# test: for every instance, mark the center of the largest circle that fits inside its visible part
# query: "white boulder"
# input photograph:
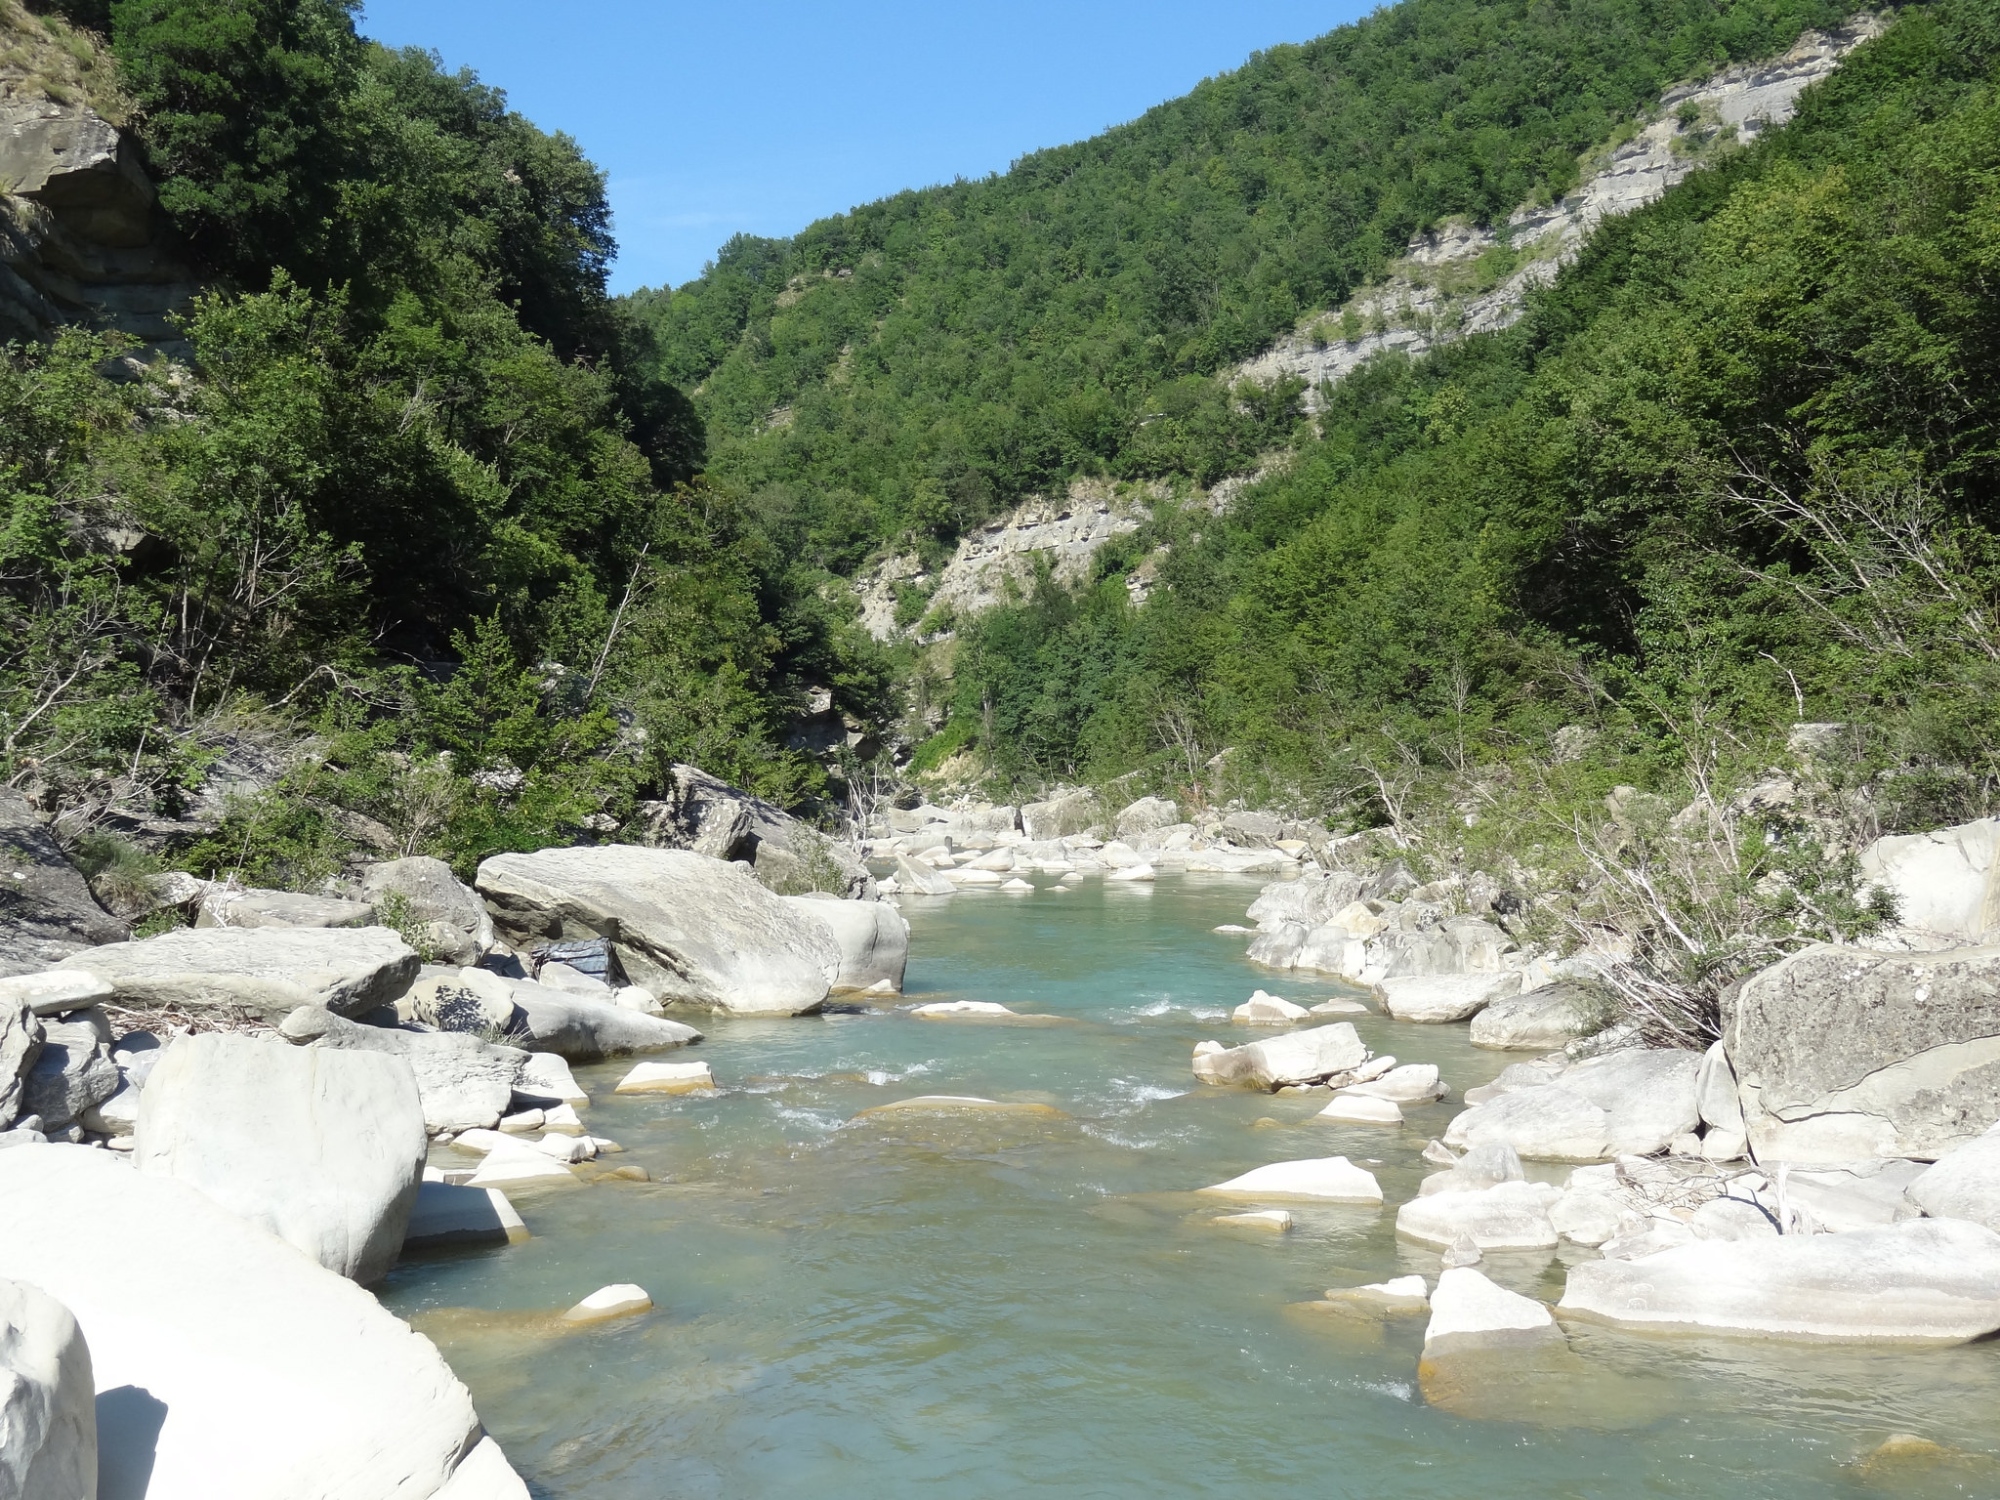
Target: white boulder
(667, 1078)
(1329, 1179)
(1963, 1184)
(1412, 1083)
(48, 1400)
(1506, 1216)
(873, 939)
(1349, 1108)
(619, 1301)
(322, 1148)
(231, 1335)
(1541, 1020)
(1268, 1010)
(691, 929)
(1297, 1058)
(1440, 998)
(1469, 1315)
(1924, 1281)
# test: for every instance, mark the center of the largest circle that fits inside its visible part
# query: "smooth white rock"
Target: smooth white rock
(1470, 1314)
(1360, 1109)
(279, 1380)
(873, 939)
(1412, 1083)
(667, 1078)
(1924, 1281)
(1507, 1216)
(1963, 1184)
(48, 1399)
(1141, 872)
(1332, 1179)
(619, 1301)
(1268, 1010)
(54, 991)
(322, 1148)
(1437, 999)
(942, 1009)
(1298, 1057)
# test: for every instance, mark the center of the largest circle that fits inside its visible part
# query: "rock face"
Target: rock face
(873, 938)
(322, 1148)
(1844, 1053)
(1943, 881)
(46, 911)
(1924, 1281)
(688, 928)
(48, 1400)
(1542, 1020)
(268, 971)
(455, 919)
(462, 1082)
(1964, 1184)
(1300, 1057)
(230, 1335)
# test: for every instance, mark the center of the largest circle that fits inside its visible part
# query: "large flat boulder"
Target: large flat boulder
(1846, 1053)
(874, 940)
(238, 1369)
(1943, 881)
(227, 907)
(1300, 1057)
(322, 1147)
(454, 919)
(1325, 1179)
(1923, 1281)
(1633, 1102)
(267, 972)
(1146, 815)
(1506, 1216)
(46, 910)
(463, 1083)
(48, 1399)
(690, 929)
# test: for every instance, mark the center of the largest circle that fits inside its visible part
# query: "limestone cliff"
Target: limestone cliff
(1462, 280)
(81, 240)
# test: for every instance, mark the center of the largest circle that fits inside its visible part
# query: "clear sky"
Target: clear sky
(715, 118)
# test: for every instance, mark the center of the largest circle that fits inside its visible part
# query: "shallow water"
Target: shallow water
(880, 1306)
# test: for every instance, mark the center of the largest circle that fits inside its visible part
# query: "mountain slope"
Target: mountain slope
(905, 370)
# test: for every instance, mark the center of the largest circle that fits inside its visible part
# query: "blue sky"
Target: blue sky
(717, 118)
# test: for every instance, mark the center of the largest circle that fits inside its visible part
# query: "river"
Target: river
(868, 1307)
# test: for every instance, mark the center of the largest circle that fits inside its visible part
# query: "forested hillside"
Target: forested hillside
(419, 495)
(902, 371)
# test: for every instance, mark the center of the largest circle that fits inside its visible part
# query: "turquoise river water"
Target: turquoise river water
(854, 1307)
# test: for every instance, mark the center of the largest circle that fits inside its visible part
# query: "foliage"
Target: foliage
(901, 371)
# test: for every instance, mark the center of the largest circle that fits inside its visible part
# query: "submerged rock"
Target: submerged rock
(620, 1301)
(668, 1078)
(1351, 1108)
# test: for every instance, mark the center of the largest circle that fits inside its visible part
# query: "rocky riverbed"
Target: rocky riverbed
(1425, 1170)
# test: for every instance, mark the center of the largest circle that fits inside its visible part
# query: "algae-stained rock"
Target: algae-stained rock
(688, 928)
(462, 1082)
(1541, 1020)
(1442, 998)
(322, 1147)
(266, 1375)
(1328, 1179)
(48, 1399)
(46, 910)
(1470, 1315)
(873, 938)
(1923, 1281)
(1299, 1057)
(267, 971)
(1845, 1053)
(454, 918)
